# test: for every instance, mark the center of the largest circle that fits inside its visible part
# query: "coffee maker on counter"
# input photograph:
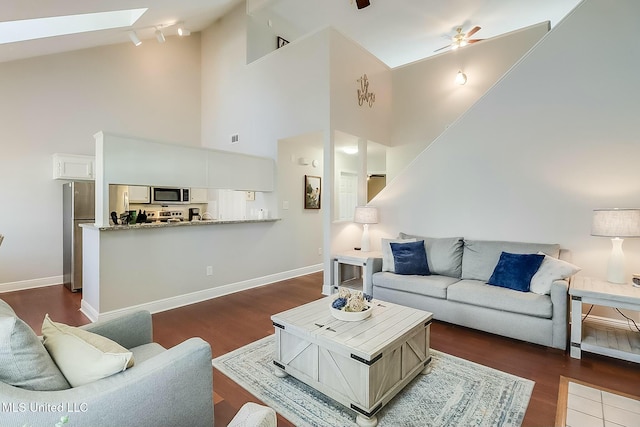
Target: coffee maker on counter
(194, 214)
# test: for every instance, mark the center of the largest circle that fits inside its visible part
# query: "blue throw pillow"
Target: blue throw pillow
(410, 258)
(514, 271)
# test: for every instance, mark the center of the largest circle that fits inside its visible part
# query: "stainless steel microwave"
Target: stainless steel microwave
(170, 195)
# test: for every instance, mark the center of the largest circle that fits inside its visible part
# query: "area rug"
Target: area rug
(456, 393)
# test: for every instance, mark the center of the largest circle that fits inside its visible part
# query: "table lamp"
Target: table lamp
(365, 215)
(617, 224)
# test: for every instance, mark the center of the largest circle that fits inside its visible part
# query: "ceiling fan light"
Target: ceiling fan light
(463, 43)
(454, 46)
(461, 78)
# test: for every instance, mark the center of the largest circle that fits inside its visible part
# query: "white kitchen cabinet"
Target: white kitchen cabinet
(73, 166)
(139, 194)
(199, 195)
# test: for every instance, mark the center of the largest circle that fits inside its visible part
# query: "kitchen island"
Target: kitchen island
(160, 266)
(164, 224)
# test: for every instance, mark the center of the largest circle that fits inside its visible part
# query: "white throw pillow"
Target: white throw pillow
(387, 255)
(551, 269)
(83, 356)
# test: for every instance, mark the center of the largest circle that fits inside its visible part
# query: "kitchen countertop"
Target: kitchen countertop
(176, 224)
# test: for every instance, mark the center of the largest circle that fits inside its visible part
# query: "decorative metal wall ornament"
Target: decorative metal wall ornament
(363, 93)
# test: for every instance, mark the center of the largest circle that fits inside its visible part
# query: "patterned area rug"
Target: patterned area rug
(456, 393)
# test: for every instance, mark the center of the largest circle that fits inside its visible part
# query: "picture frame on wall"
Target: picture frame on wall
(312, 192)
(281, 42)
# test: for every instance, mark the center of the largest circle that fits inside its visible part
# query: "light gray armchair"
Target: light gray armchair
(165, 387)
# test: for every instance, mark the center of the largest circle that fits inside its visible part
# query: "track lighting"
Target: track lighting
(182, 31)
(461, 78)
(160, 36)
(134, 38)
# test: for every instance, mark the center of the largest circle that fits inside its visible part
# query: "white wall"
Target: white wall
(554, 139)
(426, 100)
(283, 96)
(55, 104)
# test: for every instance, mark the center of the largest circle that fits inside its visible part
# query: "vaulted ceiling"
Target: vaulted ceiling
(397, 32)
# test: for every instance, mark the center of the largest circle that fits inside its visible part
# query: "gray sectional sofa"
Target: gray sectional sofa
(457, 292)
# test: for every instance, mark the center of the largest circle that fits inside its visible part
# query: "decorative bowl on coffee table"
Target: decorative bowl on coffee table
(350, 316)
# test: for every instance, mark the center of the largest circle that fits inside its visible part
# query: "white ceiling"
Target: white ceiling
(403, 31)
(196, 15)
(396, 31)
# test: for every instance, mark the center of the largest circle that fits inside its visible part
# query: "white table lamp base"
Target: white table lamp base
(364, 244)
(615, 269)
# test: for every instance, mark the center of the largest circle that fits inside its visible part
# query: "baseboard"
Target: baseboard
(181, 300)
(30, 284)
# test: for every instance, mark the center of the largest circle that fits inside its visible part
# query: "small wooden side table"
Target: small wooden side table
(607, 341)
(368, 261)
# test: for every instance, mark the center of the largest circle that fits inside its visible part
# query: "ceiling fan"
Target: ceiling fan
(460, 39)
(361, 4)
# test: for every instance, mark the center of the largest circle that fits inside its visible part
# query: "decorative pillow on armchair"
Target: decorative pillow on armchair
(514, 271)
(25, 362)
(83, 356)
(410, 258)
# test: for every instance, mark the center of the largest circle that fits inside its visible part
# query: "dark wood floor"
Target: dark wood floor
(234, 320)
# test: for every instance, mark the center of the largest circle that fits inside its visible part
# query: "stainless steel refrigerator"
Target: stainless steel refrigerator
(78, 201)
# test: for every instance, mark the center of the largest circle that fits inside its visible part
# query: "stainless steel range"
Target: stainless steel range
(164, 216)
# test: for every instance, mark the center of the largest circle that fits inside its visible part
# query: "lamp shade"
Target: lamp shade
(616, 223)
(366, 215)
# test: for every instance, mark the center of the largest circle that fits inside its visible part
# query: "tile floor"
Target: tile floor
(590, 407)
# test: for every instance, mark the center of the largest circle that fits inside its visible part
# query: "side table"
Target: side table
(613, 342)
(369, 262)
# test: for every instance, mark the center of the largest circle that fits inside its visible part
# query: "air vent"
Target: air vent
(235, 138)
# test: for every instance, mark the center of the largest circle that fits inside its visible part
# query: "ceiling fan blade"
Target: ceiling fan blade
(472, 31)
(361, 4)
(474, 41)
(442, 48)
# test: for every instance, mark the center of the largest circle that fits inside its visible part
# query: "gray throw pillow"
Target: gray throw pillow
(444, 254)
(24, 362)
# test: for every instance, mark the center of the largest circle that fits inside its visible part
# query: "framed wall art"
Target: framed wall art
(312, 191)
(280, 42)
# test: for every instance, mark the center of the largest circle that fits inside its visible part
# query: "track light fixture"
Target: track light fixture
(160, 36)
(182, 31)
(134, 38)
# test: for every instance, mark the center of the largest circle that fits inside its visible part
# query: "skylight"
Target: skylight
(30, 29)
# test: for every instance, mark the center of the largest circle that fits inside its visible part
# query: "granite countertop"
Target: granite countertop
(176, 224)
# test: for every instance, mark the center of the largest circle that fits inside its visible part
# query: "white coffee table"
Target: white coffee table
(363, 364)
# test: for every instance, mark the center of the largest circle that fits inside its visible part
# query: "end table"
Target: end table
(369, 262)
(613, 342)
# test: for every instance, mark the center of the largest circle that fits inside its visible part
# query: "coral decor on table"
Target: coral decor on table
(351, 305)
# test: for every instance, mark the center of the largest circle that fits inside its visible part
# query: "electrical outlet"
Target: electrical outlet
(285, 205)
(235, 138)
(319, 251)
(209, 270)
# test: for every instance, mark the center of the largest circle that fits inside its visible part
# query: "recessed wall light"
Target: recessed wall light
(39, 28)
(461, 78)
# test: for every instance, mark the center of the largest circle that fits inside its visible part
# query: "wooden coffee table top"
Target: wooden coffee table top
(388, 324)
